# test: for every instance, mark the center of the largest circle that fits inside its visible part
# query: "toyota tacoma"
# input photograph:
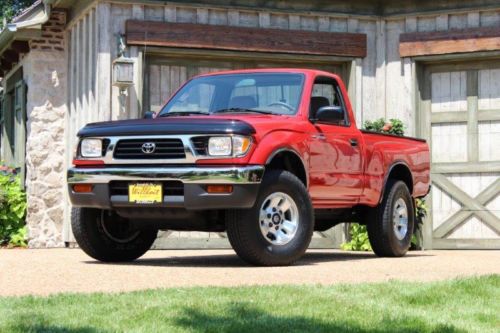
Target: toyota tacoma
(266, 155)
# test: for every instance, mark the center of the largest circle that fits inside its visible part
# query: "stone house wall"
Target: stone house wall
(46, 78)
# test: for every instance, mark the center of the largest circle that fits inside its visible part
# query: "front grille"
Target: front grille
(165, 149)
(200, 145)
(170, 188)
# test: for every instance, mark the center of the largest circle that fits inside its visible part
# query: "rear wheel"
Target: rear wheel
(105, 236)
(278, 229)
(391, 225)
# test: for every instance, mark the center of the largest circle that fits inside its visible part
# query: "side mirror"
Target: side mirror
(330, 114)
(149, 115)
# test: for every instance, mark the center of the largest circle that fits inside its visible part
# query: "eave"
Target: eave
(15, 36)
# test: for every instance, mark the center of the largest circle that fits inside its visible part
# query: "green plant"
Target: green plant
(359, 239)
(19, 238)
(421, 210)
(393, 126)
(12, 208)
(11, 8)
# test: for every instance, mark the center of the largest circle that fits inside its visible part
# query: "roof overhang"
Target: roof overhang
(14, 38)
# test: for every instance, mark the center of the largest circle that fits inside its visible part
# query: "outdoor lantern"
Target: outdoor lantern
(123, 73)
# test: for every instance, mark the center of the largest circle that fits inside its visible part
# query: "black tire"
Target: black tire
(99, 243)
(381, 230)
(244, 231)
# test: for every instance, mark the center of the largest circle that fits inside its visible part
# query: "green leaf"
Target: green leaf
(12, 209)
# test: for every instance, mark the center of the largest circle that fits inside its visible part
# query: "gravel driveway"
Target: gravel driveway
(44, 272)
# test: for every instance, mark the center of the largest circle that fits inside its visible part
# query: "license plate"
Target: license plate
(145, 193)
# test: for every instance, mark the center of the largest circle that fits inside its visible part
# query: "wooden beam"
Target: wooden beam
(205, 36)
(465, 244)
(451, 223)
(449, 117)
(467, 203)
(449, 41)
(439, 168)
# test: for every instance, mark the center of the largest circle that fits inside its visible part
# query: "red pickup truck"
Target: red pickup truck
(267, 155)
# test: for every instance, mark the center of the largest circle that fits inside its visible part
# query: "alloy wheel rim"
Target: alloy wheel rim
(278, 218)
(400, 219)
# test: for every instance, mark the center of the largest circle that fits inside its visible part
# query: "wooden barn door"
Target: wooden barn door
(163, 76)
(460, 116)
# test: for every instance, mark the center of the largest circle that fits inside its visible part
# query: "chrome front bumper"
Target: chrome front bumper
(245, 181)
(188, 175)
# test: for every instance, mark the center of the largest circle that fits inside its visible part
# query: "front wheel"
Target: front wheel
(391, 227)
(105, 236)
(278, 229)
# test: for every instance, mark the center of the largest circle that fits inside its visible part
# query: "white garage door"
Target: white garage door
(163, 76)
(461, 119)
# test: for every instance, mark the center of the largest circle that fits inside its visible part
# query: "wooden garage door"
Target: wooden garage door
(163, 76)
(461, 119)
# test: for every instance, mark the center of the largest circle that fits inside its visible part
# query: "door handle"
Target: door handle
(319, 136)
(354, 142)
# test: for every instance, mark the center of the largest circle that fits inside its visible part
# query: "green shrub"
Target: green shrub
(359, 235)
(359, 239)
(12, 209)
(393, 126)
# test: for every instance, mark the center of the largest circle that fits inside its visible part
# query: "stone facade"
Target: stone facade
(45, 75)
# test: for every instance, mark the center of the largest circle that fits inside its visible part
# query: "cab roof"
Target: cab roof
(305, 71)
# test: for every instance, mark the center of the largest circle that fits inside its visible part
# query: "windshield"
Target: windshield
(276, 93)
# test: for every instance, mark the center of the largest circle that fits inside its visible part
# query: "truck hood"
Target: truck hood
(166, 126)
(220, 124)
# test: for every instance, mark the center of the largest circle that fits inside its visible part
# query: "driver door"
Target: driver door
(335, 155)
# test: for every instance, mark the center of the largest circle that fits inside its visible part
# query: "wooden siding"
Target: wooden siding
(163, 76)
(86, 94)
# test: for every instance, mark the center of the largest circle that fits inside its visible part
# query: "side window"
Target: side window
(326, 93)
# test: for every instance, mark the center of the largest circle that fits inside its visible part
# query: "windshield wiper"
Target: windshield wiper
(235, 110)
(180, 113)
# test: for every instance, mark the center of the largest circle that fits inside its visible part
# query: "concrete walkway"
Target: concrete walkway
(44, 272)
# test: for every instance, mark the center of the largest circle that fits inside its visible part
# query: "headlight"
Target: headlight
(228, 145)
(220, 146)
(91, 148)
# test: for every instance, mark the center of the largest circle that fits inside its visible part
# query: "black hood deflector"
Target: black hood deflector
(167, 126)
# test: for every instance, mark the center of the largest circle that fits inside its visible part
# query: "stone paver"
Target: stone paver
(44, 272)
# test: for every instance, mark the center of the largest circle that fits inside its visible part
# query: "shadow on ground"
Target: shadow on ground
(241, 317)
(232, 260)
(38, 324)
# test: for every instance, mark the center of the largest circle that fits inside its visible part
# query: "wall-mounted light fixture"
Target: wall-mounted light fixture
(123, 74)
(123, 68)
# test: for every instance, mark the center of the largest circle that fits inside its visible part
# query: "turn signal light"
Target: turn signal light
(219, 189)
(82, 188)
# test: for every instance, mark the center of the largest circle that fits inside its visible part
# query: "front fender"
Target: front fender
(277, 141)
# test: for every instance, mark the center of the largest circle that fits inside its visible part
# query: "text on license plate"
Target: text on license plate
(145, 193)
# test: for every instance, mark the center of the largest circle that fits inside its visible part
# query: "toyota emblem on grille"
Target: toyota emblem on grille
(148, 147)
